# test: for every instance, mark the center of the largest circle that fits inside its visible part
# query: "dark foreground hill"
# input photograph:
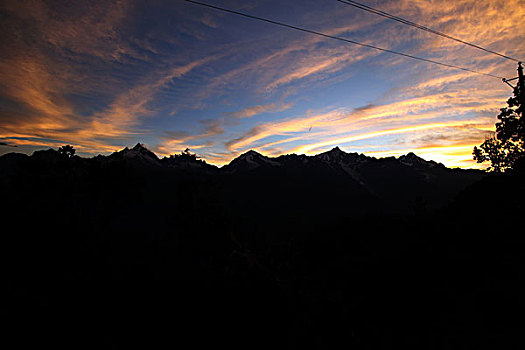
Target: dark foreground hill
(337, 250)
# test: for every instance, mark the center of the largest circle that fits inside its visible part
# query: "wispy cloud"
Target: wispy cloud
(173, 141)
(128, 108)
(100, 74)
(259, 109)
(40, 85)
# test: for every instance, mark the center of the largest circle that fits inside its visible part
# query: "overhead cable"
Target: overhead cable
(341, 39)
(430, 30)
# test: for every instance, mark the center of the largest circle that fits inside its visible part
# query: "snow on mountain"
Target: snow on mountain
(138, 153)
(358, 166)
(351, 163)
(393, 180)
(348, 162)
(412, 159)
(333, 155)
(250, 160)
(337, 156)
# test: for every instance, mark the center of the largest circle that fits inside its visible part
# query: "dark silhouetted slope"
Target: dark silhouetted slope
(337, 250)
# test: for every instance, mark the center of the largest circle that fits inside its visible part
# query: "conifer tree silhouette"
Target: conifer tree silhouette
(508, 145)
(67, 151)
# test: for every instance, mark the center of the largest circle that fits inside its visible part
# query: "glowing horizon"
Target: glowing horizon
(101, 76)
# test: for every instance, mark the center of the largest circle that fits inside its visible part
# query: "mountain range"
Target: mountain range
(361, 182)
(337, 250)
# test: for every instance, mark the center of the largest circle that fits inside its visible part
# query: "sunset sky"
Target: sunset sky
(102, 75)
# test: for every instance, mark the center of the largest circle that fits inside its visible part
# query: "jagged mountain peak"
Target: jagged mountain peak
(138, 152)
(251, 153)
(412, 159)
(250, 160)
(336, 155)
(334, 151)
(140, 147)
(411, 155)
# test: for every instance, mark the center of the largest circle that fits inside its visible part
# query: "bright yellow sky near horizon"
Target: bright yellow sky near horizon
(104, 75)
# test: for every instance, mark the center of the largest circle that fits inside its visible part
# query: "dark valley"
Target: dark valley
(337, 250)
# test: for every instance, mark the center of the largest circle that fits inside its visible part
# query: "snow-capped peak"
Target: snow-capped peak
(139, 151)
(336, 155)
(251, 153)
(140, 147)
(411, 159)
(250, 160)
(334, 151)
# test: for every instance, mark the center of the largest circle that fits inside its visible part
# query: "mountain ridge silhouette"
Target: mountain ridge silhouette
(332, 251)
(395, 182)
(141, 151)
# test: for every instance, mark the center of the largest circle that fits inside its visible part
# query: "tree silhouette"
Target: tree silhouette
(186, 155)
(67, 151)
(508, 145)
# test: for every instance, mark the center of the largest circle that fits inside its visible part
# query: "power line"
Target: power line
(341, 39)
(430, 30)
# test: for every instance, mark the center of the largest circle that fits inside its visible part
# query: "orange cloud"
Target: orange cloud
(39, 83)
(409, 113)
(327, 62)
(259, 109)
(176, 141)
(129, 107)
(344, 140)
(454, 156)
(36, 81)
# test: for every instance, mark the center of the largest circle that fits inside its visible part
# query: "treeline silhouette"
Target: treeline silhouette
(110, 252)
